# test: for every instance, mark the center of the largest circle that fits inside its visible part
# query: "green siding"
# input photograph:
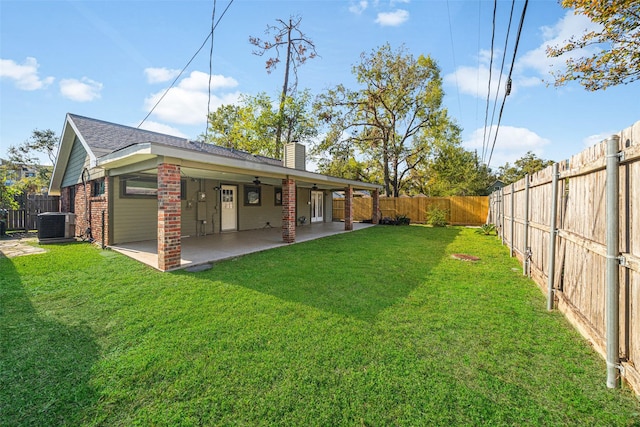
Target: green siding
(78, 161)
(254, 217)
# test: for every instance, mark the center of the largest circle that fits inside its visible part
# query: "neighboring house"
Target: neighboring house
(126, 184)
(16, 172)
(497, 185)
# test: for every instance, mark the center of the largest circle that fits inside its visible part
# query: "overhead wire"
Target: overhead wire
(513, 60)
(504, 56)
(213, 19)
(187, 65)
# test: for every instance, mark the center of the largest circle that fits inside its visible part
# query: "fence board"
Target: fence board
(581, 242)
(463, 210)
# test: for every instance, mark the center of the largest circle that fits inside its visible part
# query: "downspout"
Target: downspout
(552, 237)
(613, 252)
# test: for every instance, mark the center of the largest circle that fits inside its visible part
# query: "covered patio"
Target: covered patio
(211, 248)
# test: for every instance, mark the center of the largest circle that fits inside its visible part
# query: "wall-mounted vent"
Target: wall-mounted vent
(56, 227)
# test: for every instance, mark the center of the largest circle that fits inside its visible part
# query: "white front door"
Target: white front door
(229, 200)
(317, 206)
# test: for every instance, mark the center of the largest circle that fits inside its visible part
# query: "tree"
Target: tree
(251, 124)
(618, 61)
(527, 164)
(392, 120)
(41, 141)
(299, 49)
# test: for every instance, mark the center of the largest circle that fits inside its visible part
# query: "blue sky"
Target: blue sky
(111, 60)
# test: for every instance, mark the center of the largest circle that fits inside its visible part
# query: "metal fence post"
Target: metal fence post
(525, 246)
(613, 252)
(511, 243)
(552, 237)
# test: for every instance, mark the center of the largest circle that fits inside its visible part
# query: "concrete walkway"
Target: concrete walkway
(216, 247)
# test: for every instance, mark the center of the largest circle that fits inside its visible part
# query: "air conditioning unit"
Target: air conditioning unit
(54, 227)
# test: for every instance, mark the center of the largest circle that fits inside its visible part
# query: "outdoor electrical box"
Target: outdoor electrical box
(201, 214)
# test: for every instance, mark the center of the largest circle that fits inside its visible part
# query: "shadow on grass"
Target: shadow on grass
(45, 365)
(355, 274)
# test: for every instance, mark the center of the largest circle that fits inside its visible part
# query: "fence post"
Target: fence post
(502, 213)
(613, 261)
(525, 246)
(512, 221)
(552, 237)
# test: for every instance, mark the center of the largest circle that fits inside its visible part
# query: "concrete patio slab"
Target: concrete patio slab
(198, 250)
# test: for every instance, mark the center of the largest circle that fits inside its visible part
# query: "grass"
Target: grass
(376, 327)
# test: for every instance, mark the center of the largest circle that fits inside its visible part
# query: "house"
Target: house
(126, 185)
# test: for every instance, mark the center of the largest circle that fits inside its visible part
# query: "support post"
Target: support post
(348, 208)
(613, 252)
(525, 244)
(288, 210)
(502, 214)
(169, 212)
(552, 237)
(375, 206)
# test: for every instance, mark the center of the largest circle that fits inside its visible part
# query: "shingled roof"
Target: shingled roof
(105, 138)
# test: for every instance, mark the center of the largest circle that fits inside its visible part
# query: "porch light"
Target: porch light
(315, 187)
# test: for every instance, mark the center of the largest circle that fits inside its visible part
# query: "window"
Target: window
(145, 187)
(98, 187)
(277, 196)
(139, 187)
(252, 196)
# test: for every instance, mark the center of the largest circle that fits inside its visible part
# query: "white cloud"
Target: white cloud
(512, 143)
(186, 103)
(160, 75)
(571, 25)
(25, 76)
(162, 128)
(359, 7)
(82, 90)
(392, 19)
(596, 139)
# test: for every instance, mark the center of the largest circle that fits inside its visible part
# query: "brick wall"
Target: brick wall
(169, 217)
(88, 208)
(348, 208)
(288, 210)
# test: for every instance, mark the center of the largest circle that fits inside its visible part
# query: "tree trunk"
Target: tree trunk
(283, 95)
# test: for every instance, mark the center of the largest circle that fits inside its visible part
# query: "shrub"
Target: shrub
(488, 229)
(437, 217)
(402, 220)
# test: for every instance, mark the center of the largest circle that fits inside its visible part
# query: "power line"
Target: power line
(213, 19)
(504, 56)
(513, 60)
(187, 65)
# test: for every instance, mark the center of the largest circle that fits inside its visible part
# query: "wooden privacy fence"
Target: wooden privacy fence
(575, 251)
(463, 210)
(27, 218)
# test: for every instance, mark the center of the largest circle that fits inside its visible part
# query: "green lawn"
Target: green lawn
(377, 327)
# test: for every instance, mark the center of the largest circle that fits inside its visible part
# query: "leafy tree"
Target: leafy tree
(618, 62)
(390, 122)
(26, 153)
(41, 141)
(527, 164)
(7, 193)
(251, 124)
(299, 48)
